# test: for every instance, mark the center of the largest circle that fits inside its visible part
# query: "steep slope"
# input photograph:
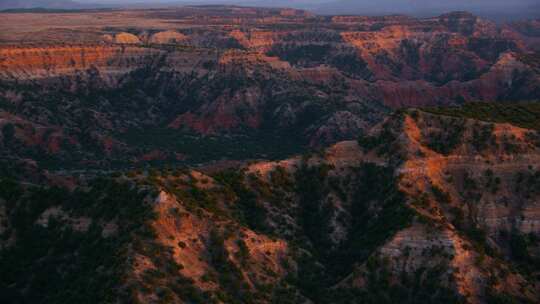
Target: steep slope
(426, 207)
(118, 96)
(90, 89)
(466, 179)
(431, 205)
(107, 100)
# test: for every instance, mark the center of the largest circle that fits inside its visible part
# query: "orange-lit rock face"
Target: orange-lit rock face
(126, 38)
(402, 52)
(438, 239)
(498, 209)
(254, 39)
(438, 50)
(228, 70)
(251, 60)
(167, 37)
(54, 61)
(190, 237)
(201, 230)
(431, 167)
(372, 43)
(171, 229)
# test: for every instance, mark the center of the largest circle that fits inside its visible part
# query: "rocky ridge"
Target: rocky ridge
(425, 206)
(323, 85)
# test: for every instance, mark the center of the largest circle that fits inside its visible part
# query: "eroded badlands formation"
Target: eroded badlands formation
(325, 172)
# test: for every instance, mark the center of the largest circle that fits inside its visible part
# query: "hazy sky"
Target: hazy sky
(497, 9)
(528, 8)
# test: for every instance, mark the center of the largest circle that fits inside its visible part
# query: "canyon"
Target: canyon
(224, 154)
(396, 216)
(247, 73)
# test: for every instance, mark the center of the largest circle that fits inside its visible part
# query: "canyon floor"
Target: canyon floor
(223, 154)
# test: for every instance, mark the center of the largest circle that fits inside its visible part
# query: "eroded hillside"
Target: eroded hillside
(90, 89)
(423, 208)
(222, 154)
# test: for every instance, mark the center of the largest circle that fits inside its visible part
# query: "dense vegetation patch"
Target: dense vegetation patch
(234, 289)
(248, 209)
(70, 256)
(54, 262)
(198, 149)
(524, 115)
(377, 211)
(383, 143)
(426, 285)
(447, 137)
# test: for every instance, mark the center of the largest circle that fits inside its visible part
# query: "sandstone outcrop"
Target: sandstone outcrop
(167, 37)
(126, 38)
